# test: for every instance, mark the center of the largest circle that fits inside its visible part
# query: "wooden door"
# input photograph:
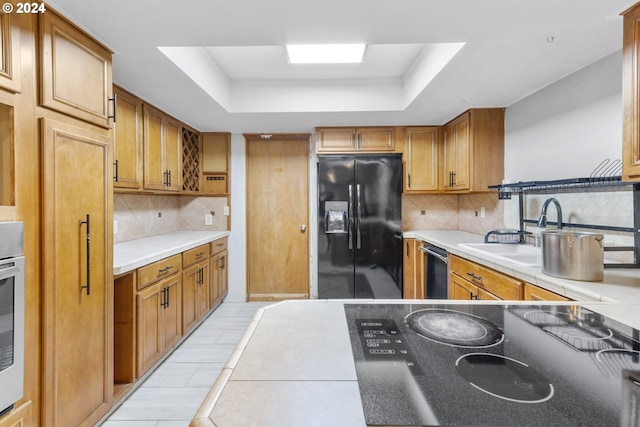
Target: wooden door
(171, 316)
(277, 217)
(456, 154)
(173, 154)
(423, 144)
(128, 141)
(223, 275)
(408, 269)
(631, 95)
(460, 289)
(330, 140)
(76, 71)
(154, 171)
(150, 341)
(202, 299)
(190, 289)
(214, 281)
(77, 274)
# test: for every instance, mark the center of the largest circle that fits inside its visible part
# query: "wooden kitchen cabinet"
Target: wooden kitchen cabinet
(474, 281)
(413, 270)
(219, 283)
(422, 159)
(631, 95)
(10, 54)
(75, 77)
(536, 293)
(195, 286)
(216, 153)
(159, 319)
(77, 282)
(350, 140)
(162, 144)
(127, 142)
(473, 150)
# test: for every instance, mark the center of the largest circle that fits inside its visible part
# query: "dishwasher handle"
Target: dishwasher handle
(426, 250)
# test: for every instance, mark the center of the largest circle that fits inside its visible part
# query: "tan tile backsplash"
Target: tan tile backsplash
(148, 215)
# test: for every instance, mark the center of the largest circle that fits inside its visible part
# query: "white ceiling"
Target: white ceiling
(221, 65)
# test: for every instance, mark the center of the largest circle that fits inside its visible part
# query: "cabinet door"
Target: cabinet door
(460, 289)
(172, 311)
(128, 141)
(422, 147)
(330, 140)
(10, 62)
(536, 293)
(631, 96)
(173, 154)
(76, 71)
(154, 171)
(456, 154)
(484, 295)
(150, 340)
(408, 269)
(190, 295)
(223, 275)
(202, 300)
(375, 139)
(77, 280)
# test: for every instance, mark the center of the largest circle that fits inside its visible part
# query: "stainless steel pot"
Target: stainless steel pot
(573, 255)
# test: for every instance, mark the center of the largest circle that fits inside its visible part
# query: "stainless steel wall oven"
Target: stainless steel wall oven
(11, 314)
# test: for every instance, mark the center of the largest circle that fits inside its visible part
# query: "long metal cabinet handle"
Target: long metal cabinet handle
(88, 242)
(115, 107)
(435, 254)
(358, 218)
(350, 228)
(116, 177)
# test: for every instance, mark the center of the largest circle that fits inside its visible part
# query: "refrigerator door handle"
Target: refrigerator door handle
(358, 219)
(350, 228)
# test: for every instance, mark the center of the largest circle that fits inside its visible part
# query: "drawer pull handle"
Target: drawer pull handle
(473, 276)
(164, 270)
(472, 296)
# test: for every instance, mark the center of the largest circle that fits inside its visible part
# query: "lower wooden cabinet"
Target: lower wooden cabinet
(18, 417)
(413, 270)
(195, 294)
(468, 280)
(536, 293)
(219, 285)
(159, 309)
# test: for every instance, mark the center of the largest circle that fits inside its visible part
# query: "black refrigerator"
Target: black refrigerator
(360, 226)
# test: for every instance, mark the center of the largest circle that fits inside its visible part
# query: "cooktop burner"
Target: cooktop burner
(454, 328)
(490, 364)
(505, 378)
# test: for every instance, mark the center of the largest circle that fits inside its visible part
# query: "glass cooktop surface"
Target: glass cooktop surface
(492, 365)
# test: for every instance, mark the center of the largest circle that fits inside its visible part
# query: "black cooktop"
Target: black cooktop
(493, 365)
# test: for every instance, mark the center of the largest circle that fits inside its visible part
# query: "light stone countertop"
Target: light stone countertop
(132, 254)
(294, 367)
(620, 285)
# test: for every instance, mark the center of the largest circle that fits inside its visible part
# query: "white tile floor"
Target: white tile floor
(173, 393)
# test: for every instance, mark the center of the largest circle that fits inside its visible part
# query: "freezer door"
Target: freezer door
(335, 249)
(378, 234)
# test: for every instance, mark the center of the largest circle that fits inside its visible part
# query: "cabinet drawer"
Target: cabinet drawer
(536, 293)
(158, 270)
(497, 283)
(194, 255)
(219, 245)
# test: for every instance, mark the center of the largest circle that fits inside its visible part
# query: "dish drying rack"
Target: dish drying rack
(605, 177)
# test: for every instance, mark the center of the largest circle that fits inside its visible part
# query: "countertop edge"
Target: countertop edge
(576, 290)
(132, 254)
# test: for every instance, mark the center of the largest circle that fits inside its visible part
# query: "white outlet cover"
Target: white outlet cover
(226, 210)
(208, 219)
(115, 226)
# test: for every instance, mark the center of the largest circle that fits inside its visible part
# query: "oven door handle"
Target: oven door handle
(435, 254)
(8, 272)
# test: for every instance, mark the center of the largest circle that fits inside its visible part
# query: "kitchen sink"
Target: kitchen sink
(525, 255)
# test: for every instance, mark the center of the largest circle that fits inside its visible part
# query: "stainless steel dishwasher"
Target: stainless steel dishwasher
(436, 272)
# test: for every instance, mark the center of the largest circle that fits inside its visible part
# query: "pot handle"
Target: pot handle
(597, 238)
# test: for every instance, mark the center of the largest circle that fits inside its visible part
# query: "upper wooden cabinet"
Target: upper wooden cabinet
(631, 95)
(422, 159)
(128, 141)
(10, 65)
(162, 151)
(349, 140)
(75, 77)
(216, 151)
(474, 150)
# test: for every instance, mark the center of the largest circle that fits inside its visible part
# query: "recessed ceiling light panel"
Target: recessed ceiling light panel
(325, 53)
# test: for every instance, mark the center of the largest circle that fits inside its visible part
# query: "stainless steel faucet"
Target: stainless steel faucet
(542, 222)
